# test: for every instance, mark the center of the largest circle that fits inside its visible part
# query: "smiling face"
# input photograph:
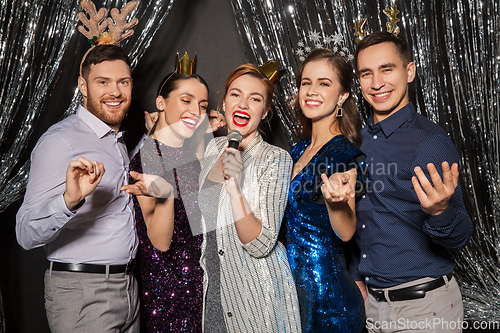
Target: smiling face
(383, 78)
(182, 111)
(320, 92)
(245, 106)
(107, 93)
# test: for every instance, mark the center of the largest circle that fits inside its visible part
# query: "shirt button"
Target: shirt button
(367, 278)
(363, 196)
(221, 252)
(364, 255)
(363, 226)
(229, 314)
(375, 137)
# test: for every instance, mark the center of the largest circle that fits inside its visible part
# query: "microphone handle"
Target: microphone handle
(233, 144)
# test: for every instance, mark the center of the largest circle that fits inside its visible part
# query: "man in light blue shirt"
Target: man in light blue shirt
(74, 206)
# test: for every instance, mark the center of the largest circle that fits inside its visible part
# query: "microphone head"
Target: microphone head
(234, 138)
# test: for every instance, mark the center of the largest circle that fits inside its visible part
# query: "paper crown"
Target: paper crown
(391, 13)
(95, 24)
(185, 65)
(270, 69)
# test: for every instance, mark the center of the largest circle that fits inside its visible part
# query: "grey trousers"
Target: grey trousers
(85, 302)
(441, 310)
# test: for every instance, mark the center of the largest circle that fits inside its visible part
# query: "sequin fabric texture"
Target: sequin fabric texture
(171, 282)
(329, 299)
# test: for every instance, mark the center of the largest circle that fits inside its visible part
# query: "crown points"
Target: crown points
(270, 69)
(185, 65)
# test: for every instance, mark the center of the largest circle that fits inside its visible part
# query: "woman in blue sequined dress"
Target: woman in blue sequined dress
(321, 205)
(167, 216)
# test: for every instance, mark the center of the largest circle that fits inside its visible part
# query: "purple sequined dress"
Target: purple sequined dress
(171, 282)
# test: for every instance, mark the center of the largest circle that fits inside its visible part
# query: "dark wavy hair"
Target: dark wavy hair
(350, 122)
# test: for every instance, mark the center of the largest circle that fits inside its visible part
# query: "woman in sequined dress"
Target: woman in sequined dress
(167, 216)
(247, 284)
(321, 205)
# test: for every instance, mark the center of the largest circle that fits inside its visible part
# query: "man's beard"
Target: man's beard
(109, 117)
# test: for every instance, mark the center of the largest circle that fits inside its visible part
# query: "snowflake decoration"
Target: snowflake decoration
(333, 42)
(314, 36)
(337, 39)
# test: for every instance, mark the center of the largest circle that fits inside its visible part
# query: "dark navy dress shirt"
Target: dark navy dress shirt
(399, 242)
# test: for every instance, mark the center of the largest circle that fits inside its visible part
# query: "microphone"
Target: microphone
(234, 138)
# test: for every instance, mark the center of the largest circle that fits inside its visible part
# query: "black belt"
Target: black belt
(91, 268)
(412, 292)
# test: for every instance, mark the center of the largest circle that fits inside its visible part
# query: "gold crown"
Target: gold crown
(270, 69)
(185, 65)
(391, 13)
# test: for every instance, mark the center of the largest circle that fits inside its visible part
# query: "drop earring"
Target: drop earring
(339, 110)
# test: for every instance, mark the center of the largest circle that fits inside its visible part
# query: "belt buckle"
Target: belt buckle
(379, 295)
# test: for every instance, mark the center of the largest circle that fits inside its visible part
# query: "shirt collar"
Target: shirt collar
(394, 121)
(99, 127)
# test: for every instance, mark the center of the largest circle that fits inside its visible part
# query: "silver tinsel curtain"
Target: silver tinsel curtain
(456, 48)
(34, 40)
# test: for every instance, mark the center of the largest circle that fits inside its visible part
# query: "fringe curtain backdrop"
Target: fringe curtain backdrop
(456, 48)
(34, 39)
(34, 50)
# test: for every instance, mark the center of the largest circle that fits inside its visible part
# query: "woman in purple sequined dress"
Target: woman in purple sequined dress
(168, 217)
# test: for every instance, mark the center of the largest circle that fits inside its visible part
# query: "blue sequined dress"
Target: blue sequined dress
(171, 282)
(330, 300)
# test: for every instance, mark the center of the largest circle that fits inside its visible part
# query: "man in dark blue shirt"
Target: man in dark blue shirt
(410, 219)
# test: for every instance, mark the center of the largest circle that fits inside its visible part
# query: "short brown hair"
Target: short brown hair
(103, 53)
(380, 37)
